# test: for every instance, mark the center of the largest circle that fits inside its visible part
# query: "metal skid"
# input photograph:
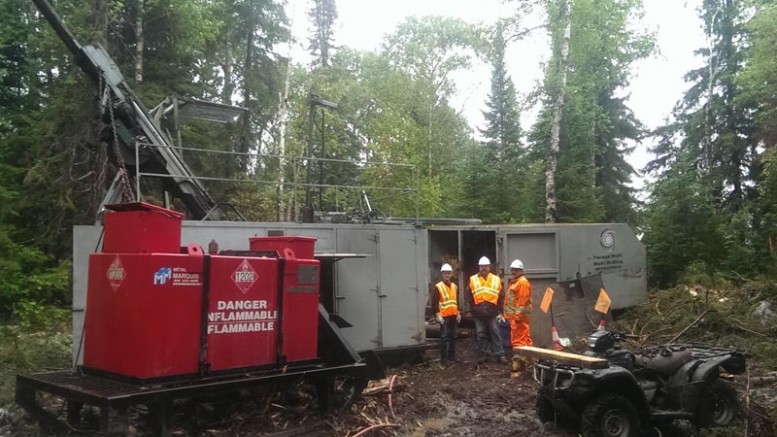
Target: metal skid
(114, 398)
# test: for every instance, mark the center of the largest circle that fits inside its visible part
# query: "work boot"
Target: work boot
(481, 360)
(518, 364)
(502, 359)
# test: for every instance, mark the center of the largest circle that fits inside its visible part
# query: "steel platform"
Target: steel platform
(114, 397)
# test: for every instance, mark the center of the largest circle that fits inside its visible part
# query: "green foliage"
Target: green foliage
(477, 173)
(758, 78)
(26, 350)
(710, 156)
(597, 127)
(27, 275)
(680, 206)
(700, 273)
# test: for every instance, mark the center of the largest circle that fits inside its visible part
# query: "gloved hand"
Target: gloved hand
(500, 318)
(458, 318)
(438, 316)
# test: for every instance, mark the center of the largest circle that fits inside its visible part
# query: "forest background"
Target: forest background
(709, 207)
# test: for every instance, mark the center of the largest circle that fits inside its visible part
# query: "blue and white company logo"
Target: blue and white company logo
(163, 275)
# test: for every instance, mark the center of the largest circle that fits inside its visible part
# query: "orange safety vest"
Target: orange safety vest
(447, 305)
(485, 290)
(518, 299)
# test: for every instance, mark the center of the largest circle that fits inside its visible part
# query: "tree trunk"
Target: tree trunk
(100, 22)
(283, 118)
(139, 43)
(551, 209)
(226, 68)
(712, 70)
(248, 76)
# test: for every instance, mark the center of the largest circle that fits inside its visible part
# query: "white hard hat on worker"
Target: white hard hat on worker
(516, 264)
(484, 261)
(446, 268)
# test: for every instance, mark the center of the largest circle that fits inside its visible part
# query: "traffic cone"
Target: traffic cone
(601, 326)
(556, 340)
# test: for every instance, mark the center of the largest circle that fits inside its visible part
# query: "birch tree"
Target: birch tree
(560, 36)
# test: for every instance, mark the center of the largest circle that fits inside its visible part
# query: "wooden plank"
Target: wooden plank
(562, 357)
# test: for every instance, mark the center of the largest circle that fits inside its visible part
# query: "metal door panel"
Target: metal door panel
(400, 302)
(356, 282)
(537, 250)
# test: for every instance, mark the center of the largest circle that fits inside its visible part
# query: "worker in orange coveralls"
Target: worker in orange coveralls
(517, 310)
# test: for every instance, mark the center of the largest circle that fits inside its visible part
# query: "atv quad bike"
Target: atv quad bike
(613, 392)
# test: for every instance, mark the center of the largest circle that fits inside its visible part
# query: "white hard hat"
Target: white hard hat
(446, 268)
(484, 261)
(516, 264)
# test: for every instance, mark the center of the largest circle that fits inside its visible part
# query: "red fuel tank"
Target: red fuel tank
(243, 297)
(143, 313)
(300, 309)
(141, 228)
(301, 247)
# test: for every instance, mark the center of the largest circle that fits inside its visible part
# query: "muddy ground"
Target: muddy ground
(427, 399)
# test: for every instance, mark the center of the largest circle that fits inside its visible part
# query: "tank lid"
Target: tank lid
(143, 206)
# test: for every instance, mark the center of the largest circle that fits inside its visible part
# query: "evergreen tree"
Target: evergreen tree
(503, 133)
(758, 81)
(322, 15)
(712, 138)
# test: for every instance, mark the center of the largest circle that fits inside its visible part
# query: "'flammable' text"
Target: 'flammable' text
(230, 328)
(235, 316)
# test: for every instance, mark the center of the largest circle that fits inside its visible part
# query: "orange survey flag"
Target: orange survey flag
(546, 300)
(603, 302)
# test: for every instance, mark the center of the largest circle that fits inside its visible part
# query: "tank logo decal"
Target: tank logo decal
(163, 275)
(244, 277)
(116, 273)
(177, 276)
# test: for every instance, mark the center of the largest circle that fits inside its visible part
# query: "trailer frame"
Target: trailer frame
(114, 398)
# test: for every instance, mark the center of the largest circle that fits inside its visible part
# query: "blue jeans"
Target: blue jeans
(489, 342)
(448, 338)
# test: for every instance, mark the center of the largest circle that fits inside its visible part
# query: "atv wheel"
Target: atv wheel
(546, 412)
(718, 405)
(610, 416)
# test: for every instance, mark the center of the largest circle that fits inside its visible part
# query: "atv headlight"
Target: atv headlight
(600, 341)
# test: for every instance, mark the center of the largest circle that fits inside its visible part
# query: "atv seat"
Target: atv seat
(665, 362)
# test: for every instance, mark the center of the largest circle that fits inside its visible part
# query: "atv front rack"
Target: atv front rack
(553, 377)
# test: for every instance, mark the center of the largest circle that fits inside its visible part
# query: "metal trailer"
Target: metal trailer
(576, 260)
(380, 287)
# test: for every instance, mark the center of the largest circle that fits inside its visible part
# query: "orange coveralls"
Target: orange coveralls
(517, 309)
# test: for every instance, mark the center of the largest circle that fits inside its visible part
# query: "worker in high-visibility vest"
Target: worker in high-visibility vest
(486, 299)
(517, 310)
(445, 299)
